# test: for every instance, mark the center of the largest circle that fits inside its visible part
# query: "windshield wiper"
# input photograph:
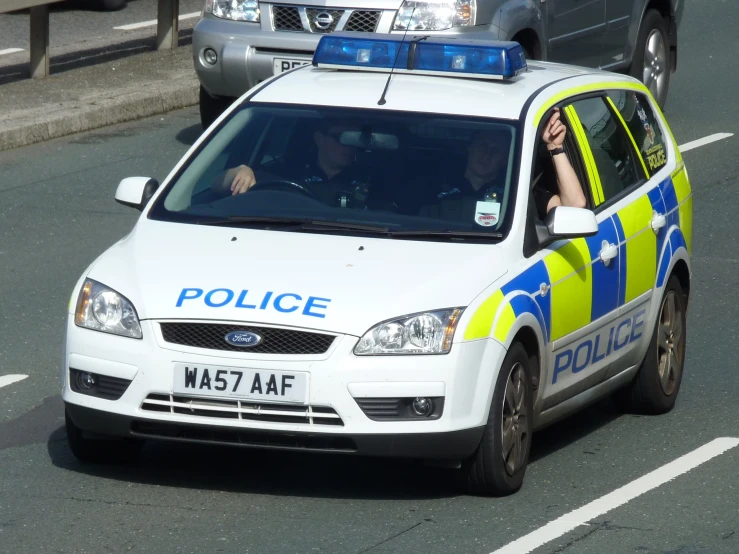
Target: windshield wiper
(298, 223)
(449, 234)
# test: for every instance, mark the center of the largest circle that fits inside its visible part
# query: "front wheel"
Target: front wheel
(102, 450)
(654, 389)
(652, 62)
(498, 466)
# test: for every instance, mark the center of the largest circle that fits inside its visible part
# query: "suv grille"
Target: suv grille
(292, 18)
(274, 341)
(363, 21)
(241, 409)
(286, 18)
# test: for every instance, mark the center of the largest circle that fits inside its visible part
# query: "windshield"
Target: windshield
(320, 169)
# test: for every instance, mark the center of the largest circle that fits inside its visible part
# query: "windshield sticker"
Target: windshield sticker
(487, 213)
(286, 302)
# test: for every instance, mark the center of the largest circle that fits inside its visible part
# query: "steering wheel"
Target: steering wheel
(282, 185)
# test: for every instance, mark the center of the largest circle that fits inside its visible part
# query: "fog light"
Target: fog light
(210, 56)
(422, 407)
(85, 380)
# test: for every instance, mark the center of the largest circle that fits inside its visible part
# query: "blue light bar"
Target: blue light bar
(429, 56)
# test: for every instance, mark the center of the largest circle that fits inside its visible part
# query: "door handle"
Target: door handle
(608, 252)
(658, 221)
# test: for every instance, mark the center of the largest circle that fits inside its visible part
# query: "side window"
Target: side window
(640, 119)
(612, 148)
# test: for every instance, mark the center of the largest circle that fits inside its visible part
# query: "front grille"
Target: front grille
(313, 14)
(109, 388)
(242, 437)
(241, 409)
(286, 18)
(363, 21)
(274, 340)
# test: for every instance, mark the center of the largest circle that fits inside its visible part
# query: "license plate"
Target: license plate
(240, 383)
(282, 64)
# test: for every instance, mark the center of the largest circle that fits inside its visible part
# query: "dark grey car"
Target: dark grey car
(239, 43)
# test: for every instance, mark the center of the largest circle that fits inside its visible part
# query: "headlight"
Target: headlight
(103, 309)
(237, 10)
(426, 333)
(435, 16)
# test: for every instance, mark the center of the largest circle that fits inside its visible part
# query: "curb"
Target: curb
(181, 93)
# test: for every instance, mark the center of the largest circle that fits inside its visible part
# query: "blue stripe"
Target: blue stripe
(530, 281)
(668, 193)
(664, 264)
(605, 279)
(621, 260)
(677, 240)
(524, 304)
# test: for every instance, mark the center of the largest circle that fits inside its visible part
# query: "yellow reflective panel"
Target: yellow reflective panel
(505, 322)
(681, 183)
(686, 222)
(482, 321)
(571, 275)
(641, 247)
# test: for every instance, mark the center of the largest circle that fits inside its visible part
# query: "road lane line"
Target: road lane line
(702, 142)
(10, 51)
(6, 380)
(132, 26)
(619, 497)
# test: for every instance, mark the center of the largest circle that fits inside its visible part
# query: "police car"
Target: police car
(386, 314)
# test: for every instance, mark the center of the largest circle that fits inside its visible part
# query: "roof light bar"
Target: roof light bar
(479, 59)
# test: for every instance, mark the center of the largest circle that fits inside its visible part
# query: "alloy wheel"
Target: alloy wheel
(670, 341)
(515, 433)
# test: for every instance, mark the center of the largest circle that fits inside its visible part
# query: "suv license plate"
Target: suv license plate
(240, 383)
(282, 64)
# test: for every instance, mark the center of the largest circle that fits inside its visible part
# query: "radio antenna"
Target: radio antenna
(382, 100)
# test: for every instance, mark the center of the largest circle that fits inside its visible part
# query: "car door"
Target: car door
(618, 19)
(584, 275)
(575, 30)
(630, 194)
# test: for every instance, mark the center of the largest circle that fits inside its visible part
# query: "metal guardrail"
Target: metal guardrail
(168, 12)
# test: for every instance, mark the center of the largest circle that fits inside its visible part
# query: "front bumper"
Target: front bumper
(247, 51)
(139, 401)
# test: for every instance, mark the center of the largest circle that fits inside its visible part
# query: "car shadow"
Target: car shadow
(244, 470)
(189, 135)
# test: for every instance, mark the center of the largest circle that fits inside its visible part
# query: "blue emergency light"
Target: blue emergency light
(480, 59)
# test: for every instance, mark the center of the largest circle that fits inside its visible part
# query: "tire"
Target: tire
(103, 450)
(655, 388)
(654, 72)
(211, 108)
(109, 5)
(488, 470)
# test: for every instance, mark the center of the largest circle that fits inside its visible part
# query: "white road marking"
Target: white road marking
(702, 142)
(132, 26)
(6, 380)
(619, 497)
(10, 51)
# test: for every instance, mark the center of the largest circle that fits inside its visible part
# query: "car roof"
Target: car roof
(451, 95)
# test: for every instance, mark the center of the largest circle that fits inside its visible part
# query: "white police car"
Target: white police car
(359, 299)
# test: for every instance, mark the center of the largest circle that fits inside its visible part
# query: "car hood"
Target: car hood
(326, 282)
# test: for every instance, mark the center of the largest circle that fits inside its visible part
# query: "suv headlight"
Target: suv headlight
(435, 16)
(237, 10)
(103, 309)
(424, 333)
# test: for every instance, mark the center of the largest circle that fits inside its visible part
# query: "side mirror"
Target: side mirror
(135, 192)
(564, 222)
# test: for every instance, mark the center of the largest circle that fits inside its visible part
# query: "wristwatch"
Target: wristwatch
(556, 151)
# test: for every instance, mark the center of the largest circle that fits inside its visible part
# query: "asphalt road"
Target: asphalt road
(57, 214)
(75, 22)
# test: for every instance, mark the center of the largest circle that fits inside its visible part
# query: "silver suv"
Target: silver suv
(239, 43)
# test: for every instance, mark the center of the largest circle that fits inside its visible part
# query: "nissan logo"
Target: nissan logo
(324, 20)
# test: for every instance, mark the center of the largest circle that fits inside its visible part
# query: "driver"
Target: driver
(333, 177)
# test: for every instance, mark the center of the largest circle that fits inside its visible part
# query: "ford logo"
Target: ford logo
(324, 20)
(244, 339)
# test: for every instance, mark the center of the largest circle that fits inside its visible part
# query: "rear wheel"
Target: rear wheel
(498, 466)
(100, 450)
(211, 108)
(652, 62)
(655, 388)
